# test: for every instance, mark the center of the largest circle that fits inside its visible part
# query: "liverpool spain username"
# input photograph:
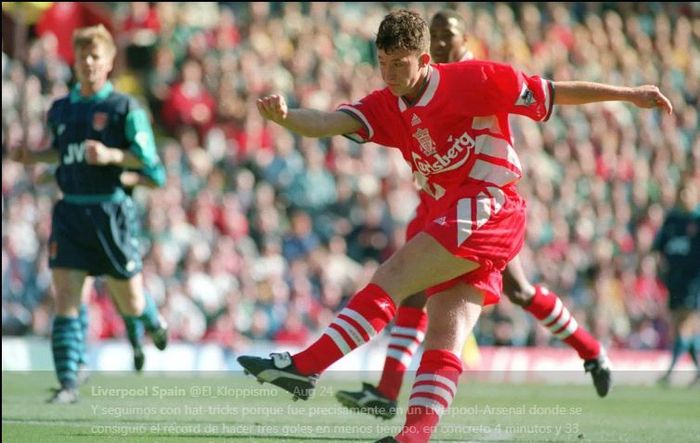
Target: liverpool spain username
(144, 391)
(195, 391)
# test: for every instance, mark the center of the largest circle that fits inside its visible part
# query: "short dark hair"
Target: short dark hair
(403, 29)
(447, 14)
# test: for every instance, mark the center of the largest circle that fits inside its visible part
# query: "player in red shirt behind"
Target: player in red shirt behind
(449, 121)
(448, 44)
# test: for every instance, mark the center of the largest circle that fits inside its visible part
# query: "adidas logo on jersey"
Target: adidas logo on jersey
(415, 120)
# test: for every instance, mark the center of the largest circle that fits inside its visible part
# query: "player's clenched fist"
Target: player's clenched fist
(98, 154)
(273, 107)
(649, 96)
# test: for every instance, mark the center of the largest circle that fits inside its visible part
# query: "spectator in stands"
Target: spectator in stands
(189, 103)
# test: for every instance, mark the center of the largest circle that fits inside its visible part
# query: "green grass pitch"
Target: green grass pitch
(218, 407)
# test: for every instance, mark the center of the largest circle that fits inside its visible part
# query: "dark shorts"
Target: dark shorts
(685, 297)
(101, 239)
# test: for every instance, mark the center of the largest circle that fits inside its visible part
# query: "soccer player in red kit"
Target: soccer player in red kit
(450, 123)
(448, 44)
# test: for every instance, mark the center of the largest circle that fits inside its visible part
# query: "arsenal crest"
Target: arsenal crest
(99, 121)
(427, 145)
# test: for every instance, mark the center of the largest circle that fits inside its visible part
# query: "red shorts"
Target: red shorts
(418, 222)
(487, 228)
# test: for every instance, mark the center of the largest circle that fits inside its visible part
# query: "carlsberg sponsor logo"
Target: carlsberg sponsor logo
(453, 158)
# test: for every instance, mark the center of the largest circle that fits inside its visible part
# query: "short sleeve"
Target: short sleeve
(371, 111)
(500, 88)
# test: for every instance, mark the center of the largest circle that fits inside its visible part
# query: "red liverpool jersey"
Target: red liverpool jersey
(456, 135)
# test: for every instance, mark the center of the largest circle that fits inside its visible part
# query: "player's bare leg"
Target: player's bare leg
(516, 285)
(135, 307)
(421, 263)
(455, 312)
(134, 331)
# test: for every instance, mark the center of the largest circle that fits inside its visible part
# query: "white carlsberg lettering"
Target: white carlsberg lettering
(455, 157)
(76, 153)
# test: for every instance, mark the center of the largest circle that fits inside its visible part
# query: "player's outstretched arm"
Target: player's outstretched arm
(27, 157)
(306, 122)
(578, 93)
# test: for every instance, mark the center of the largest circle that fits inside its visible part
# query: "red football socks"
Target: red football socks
(433, 390)
(551, 312)
(406, 335)
(367, 313)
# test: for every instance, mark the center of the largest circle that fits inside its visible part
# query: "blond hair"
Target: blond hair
(93, 35)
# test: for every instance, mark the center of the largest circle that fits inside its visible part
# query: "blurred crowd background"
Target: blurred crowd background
(259, 234)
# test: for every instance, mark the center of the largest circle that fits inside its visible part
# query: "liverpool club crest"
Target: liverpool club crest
(427, 145)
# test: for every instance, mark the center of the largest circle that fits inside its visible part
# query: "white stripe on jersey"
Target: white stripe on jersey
(492, 173)
(499, 197)
(498, 148)
(467, 220)
(547, 97)
(483, 209)
(402, 104)
(485, 170)
(513, 159)
(429, 92)
(361, 116)
(464, 220)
